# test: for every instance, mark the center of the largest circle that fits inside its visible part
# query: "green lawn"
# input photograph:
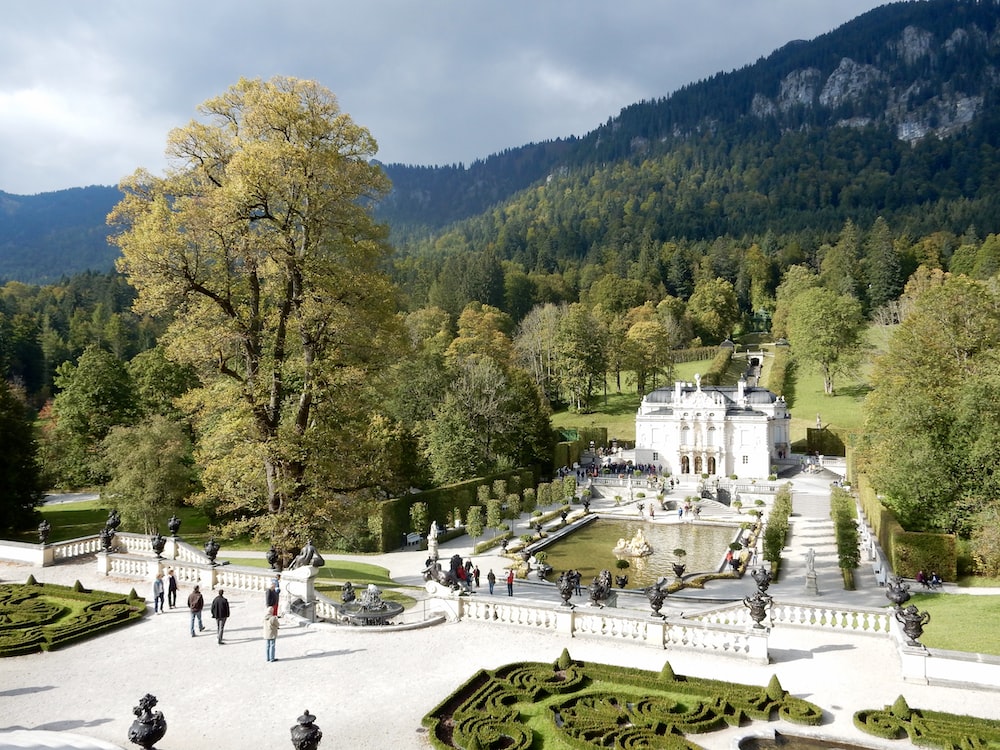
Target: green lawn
(961, 622)
(73, 520)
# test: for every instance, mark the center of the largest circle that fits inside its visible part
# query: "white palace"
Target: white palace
(716, 430)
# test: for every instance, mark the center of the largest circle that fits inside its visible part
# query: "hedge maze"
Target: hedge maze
(42, 617)
(579, 706)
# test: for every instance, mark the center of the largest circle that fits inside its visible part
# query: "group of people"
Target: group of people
(219, 608)
(158, 590)
(932, 581)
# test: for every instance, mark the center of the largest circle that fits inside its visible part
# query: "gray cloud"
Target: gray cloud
(89, 91)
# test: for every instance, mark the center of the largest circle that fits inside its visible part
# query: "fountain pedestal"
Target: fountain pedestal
(300, 583)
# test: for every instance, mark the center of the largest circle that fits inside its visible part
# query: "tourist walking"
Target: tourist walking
(475, 575)
(158, 594)
(220, 613)
(491, 580)
(271, 598)
(171, 588)
(510, 582)
(270, 633)
(196, 603)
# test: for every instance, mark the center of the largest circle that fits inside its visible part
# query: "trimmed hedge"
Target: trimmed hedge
(928, 728)
(599, 705)
(908, 551)
(716, 374)
(781, 370)
(39, 617)
(392, 517)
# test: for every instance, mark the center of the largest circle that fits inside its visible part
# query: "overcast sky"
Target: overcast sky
(89, 90)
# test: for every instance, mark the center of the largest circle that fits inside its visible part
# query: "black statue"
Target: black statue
(211, 550)
(563, 515)
(758, 604)
(308, 555)
(107, 535)
(44, 529)
(586, 505)
(913, 622)
(679, 569)
(567, 585)
(762, 576)
(600, 588)
(159, 542)
(897, 592)
(621, 581)
(272, 557)
(174, 524)
(305, 734)
(149, 725)
(114, 520)
(656, 595)
(434, 572)
(347, 594)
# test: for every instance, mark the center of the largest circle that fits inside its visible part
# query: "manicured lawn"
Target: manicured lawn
(73, 520)
(961, 622)
(358, 573)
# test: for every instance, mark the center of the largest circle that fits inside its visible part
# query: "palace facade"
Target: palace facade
(715, 430)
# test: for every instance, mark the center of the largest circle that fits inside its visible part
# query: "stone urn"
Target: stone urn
(563, 515)
(913, 622)
(44, 529)
(762, 577)
(656, 595)
(174, 524)
(211, 550)
(566, 588)
(158, 542)
(305, 734)
(757, 604)
(897, 592)
(107, 535)
(621, 581)
(149, 725)
(678, 569)
(586, 505)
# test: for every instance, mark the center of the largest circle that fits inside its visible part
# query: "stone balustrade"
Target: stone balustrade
(744, 642)
(86, 545)
(854, 619)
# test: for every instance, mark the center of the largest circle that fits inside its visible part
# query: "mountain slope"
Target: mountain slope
(905, 73)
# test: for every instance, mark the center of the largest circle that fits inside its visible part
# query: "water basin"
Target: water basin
(590, 549)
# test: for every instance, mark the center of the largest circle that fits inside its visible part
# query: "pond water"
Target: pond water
(794, 742)
(591, 549)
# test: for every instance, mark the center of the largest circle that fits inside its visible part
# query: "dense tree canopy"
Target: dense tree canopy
(931, 419)
(258, 247)
(20, 473)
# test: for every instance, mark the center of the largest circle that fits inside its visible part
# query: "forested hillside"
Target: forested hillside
(893, 115)
(51, 235)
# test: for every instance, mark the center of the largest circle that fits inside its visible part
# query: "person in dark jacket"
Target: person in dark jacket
(196, 602)
(220, 613)
(271, 598)
(171, 588)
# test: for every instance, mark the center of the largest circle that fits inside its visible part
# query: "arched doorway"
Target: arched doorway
(711, 465)
(685, 465)
(697, 465)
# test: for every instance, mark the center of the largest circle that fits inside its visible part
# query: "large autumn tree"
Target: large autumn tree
(259, 246)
